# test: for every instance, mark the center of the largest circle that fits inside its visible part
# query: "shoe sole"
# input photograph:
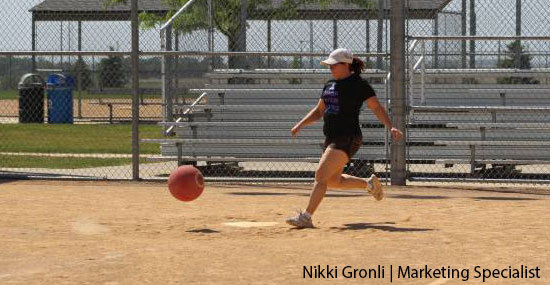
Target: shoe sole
(378, 191)
(298, 226)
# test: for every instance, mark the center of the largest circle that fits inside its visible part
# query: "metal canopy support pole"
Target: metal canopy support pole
(166, 75)
(436, 44)
(367, 38)
(311, 43)
(61, 43)
(334, 34)
(33, 48)
(380, 33)
(398, 102)
(210, 33)
(269, 42)
(176, 83)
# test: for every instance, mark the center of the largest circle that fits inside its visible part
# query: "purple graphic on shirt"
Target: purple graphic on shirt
(330, 97)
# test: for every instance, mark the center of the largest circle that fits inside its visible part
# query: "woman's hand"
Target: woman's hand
(294, 131)
(397, 134)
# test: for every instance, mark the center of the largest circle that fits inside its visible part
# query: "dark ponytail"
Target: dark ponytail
(357, 66)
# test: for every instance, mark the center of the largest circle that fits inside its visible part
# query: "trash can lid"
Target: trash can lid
(60, 80)
(30, 80)
(56, 79)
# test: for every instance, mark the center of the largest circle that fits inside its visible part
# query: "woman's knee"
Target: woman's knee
(322, 177)
(335, 181)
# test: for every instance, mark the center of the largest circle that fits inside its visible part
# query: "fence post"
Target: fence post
(463, 32)
(80, 70)
(517, 61)
(473, 32)
(135, 91)
(398, 102)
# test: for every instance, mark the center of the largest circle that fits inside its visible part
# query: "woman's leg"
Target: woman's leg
(345, 181)
(329, 173)
(332, 163)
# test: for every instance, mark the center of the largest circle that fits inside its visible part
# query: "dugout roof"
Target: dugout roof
(417, 9)
(95, 10)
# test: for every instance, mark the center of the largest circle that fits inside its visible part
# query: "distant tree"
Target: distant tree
(517, 58)
(80, 70)
(111, 72)
(227, 17)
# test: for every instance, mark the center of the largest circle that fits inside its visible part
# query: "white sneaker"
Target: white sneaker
(301, 220)
(375, 188)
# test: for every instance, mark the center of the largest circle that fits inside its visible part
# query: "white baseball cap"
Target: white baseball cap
(339, 55)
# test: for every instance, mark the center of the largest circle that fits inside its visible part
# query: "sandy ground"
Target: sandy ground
(127, 233)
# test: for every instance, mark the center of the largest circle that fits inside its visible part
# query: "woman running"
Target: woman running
(339, 106)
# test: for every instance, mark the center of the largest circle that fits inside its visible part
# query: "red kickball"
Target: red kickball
(186, 183)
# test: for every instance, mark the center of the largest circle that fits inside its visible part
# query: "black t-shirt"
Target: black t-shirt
(343, 100)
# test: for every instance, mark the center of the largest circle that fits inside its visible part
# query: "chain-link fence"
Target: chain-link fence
(65, 88)
(483, 125)
(478, 93)
(262, 93)
(224, 81)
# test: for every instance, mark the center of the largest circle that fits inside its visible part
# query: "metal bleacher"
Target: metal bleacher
(475, 124)
(252, 122)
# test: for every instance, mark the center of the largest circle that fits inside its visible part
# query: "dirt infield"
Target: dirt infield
(126, 233)
(90, 110)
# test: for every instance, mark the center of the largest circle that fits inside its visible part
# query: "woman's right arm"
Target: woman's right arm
(313, 116)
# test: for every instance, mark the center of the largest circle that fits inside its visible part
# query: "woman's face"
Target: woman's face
(340, 70)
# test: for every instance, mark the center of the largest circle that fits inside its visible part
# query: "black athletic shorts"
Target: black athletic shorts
(349, 144)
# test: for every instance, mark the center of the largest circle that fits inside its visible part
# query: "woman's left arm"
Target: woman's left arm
(382, 115)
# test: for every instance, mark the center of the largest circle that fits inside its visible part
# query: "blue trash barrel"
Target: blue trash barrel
(60, 98)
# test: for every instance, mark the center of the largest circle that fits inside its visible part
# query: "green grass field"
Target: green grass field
(8, 94)
(74, 139)
(14, 161)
